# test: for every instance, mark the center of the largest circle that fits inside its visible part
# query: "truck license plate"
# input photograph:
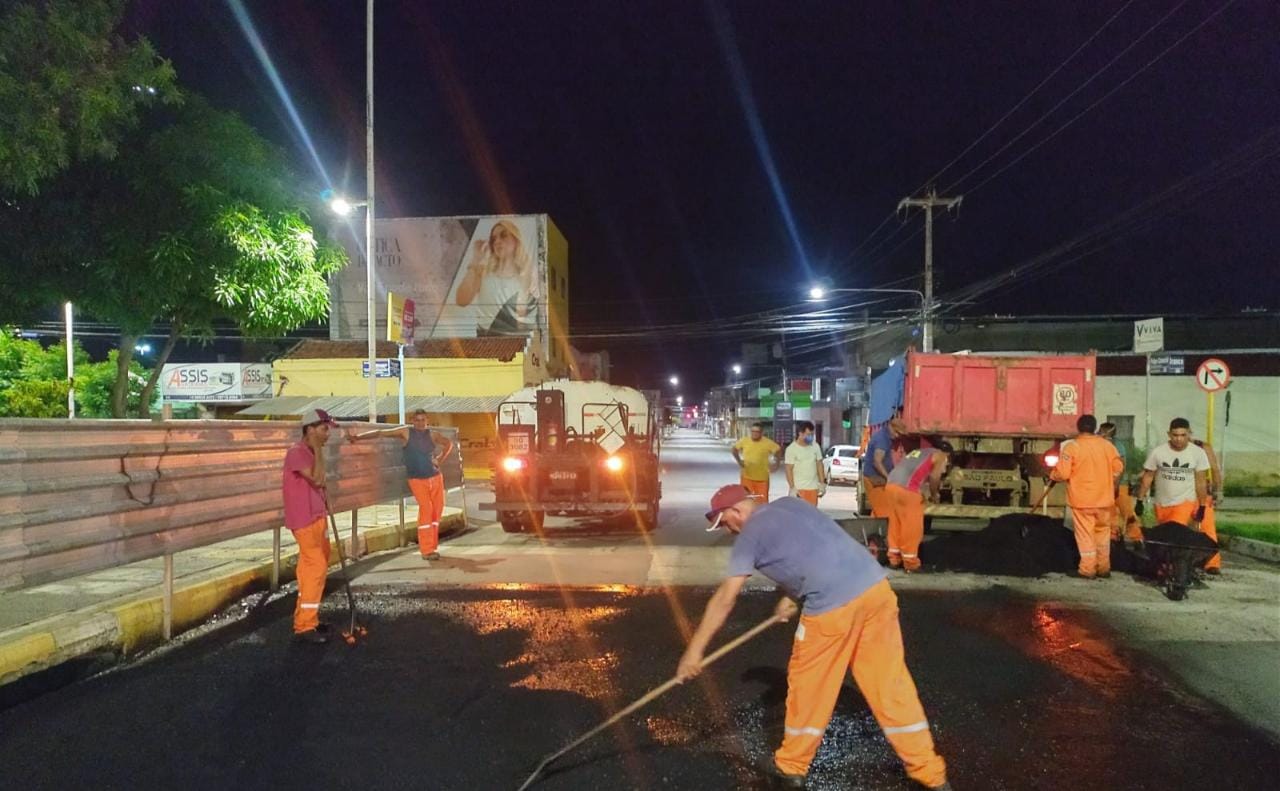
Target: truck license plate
(564, 475)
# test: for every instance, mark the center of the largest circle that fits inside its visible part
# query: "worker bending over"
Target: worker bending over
(849, 623)
(877, 463)
(906, 497)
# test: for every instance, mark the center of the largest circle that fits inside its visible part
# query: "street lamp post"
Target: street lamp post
(817, 293)
(369, 256)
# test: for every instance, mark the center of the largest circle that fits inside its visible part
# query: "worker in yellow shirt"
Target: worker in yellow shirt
(758, 456)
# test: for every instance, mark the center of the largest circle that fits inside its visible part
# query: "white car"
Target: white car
(841, 464)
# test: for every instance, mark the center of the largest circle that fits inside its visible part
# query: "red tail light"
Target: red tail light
(613, 464)
(513, 464)
(835, 462)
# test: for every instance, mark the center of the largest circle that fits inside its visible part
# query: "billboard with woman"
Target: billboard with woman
(468, 276)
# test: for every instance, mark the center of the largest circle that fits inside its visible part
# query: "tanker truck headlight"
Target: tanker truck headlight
(613, 464)
(513, 464)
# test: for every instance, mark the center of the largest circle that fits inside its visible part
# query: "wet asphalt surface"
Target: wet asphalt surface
(470, 688)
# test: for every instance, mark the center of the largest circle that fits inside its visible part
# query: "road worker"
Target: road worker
(877, 463)
(803, 461)
(305, 512)
(849, 623)
(1209, 524)
(1090, 465)
(424, 451)
(758, 456)
(904, 492)
(1178, 472)
(1124, 520)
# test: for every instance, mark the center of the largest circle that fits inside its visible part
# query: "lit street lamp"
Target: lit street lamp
(737, 369)
(818, 293)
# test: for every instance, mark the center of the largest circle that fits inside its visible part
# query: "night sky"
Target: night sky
(707, 161)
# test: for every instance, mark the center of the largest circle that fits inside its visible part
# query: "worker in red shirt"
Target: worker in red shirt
(905, 495)
(1090, 465)
(305, 511)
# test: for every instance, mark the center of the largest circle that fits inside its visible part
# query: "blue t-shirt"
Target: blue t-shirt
(881, 440)
(807, 554)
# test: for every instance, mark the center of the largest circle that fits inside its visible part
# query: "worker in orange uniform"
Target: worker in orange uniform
(1178, 471)
(877, 463)
(906, 502)
(1125, 523)
(1209, 524)
(424, 451)
(1090, 466)
(849, 623)
(803, 462)
(303, 485)
(758, 456)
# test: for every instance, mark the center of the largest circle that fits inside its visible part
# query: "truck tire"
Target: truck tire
(649, 518)
(511, 525)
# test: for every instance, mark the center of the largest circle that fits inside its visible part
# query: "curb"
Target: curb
(127, 624)
(1259, 550)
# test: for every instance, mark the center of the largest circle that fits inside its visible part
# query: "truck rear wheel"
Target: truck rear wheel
(648, 520)
(511, 525)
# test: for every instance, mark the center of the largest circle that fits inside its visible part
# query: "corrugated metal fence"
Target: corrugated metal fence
(82, 495)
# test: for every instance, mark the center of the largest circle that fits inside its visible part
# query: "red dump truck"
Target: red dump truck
(1001, 413)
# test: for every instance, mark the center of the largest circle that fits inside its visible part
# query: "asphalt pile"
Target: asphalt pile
(1179, 535)
(1015, 545)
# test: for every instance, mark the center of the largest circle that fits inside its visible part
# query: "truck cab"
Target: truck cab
(578, 449)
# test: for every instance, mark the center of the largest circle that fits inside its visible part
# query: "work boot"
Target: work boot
(311, 636)
(1213, 572)
(432, 556)
(323, 627)
(943, 787)
(783, 780)
(1104, 575)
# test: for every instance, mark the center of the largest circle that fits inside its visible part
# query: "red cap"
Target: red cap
(724, 498)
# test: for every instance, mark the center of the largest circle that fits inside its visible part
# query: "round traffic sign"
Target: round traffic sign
(1213, 375)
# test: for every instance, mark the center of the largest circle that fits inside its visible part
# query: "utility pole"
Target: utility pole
(928, 202)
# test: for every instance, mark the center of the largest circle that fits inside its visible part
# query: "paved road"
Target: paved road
(468, 687)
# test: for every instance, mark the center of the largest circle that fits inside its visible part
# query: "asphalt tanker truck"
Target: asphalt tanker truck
(1004, 416)
(578, 449)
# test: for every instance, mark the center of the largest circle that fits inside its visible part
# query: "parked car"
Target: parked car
(840, 464)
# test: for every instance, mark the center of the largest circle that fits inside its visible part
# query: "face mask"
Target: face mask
(808, 439)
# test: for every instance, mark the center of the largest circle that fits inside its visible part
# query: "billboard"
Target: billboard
(467, 277)
(207, 382)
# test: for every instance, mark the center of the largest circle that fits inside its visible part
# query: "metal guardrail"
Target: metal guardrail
(78, 496)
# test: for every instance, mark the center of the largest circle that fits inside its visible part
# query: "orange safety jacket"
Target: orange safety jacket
(1089, 464)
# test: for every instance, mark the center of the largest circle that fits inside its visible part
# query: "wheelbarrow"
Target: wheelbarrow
(1172, 553)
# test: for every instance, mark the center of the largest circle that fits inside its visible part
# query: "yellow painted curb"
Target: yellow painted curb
(17, 658)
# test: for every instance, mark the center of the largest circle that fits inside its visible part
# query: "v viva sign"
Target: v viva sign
(1148, 335)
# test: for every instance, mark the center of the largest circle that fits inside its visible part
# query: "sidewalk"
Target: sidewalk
(121, 610)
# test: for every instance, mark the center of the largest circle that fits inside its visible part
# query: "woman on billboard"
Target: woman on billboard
(500, 284)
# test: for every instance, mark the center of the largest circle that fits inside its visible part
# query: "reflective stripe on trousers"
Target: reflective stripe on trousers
(313, 566)
(863, 636)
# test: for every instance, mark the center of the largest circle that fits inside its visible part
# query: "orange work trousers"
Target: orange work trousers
(313, 566)
(429, 492)
(877, 498)
(1183, 513)
(758, 488)
(864, 637)
(1093, 539)
(810, 496)
(906, 526)
(1124, 522)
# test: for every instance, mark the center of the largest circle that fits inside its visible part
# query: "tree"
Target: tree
(33, 380)
(70, 88)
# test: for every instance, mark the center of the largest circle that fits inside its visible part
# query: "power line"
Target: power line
(955, 185)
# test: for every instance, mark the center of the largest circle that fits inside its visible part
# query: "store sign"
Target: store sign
(215, 382)
(400, 319)
(1148, 335)
(1166, 364)
(387, 368)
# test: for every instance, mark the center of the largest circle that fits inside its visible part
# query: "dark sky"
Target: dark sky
(642, 127)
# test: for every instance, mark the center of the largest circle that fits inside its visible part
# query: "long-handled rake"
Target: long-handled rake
(354, 629)
(650, 696)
